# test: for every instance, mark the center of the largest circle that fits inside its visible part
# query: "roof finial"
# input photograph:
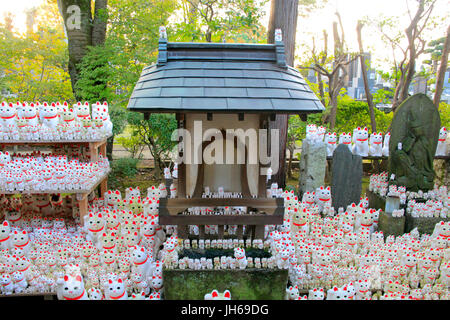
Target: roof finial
(162, 32)
(278, 35)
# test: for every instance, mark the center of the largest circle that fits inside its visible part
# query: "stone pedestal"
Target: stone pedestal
(313, 163)
(248, 284)
(424, 225)
(375, 201)
(391, 226)
(346, 177)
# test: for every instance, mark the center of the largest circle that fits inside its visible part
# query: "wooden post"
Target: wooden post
(93, 152)
(103, 186)
(103, 149)
(82, 199)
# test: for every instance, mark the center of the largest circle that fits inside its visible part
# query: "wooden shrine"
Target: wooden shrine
(223, 86)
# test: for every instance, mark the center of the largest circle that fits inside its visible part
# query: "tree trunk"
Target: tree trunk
(442, 69)
(366, 81)
(80, 36)
(100, 22)
(283, 15)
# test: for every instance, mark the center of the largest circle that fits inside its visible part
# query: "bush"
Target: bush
(124, 167)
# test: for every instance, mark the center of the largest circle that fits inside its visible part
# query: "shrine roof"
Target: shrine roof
(222, 77)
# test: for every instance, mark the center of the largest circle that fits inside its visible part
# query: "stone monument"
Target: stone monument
(313, 163)
(414, 136)
(346, 177)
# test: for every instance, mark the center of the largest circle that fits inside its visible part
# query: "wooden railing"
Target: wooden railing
(269, 211)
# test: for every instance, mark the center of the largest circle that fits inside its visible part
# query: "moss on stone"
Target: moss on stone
(390, 225)
(249, 284)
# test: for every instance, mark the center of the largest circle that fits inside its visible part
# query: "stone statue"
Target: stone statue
(414, 135)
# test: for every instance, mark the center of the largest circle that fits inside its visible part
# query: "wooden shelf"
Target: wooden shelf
(49, 142)
(103, 177)
(169, 210)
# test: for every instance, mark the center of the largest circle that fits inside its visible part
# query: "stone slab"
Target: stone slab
(391, 226)
(346, 177)
(248, 284)
(312, 165)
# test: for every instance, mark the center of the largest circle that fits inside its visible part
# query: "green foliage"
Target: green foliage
(124, 167)
(155, 133)
(220, 20)
(33, 66)
(133, 144)
(352, 114)
(95, 75)
(382, 96)
(444, 111)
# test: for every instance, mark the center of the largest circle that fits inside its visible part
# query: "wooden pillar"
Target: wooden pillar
(82, 199)
(103, 187)
(221, 231)
(103, 149)
(182, 231)
(259, 232)
(93, 152)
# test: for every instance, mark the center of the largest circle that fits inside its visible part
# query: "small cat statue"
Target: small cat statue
(330, 141)
(5, 239)
(346, 138)
(361, 146)
(216, 295)
(116, 290)
(7, 284)
(49, 115)
(71, 288)
(441, 149)
(376, 144)
(239, 255)
(387, 138)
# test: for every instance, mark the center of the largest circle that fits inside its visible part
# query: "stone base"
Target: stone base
(375, 201)
(391, 226)
(248, 284)
(424, 225)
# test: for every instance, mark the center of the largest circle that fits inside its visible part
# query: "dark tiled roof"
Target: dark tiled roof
(222, 77)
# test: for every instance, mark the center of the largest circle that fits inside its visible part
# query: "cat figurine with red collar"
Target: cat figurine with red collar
(157, 284)
(20, 239)
(95, 294)
(361, 143)
(49, 115)
(7, 284)
(30, 113)
(316, 294)
(5, 235)
(376, 144)
(94, 226)
(116, 290)
(346, 138)
(330, 141)
(8, 114)
(141, 262)
(71, 288)
(323, 197)
(385, 150)
(140, 284)
(441, 149)
(241, 259)
(82, 112)
(292, 293)
(20, 282)
(216, 295)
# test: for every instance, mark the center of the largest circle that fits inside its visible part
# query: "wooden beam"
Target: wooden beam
(244, 219)
(174, 206)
